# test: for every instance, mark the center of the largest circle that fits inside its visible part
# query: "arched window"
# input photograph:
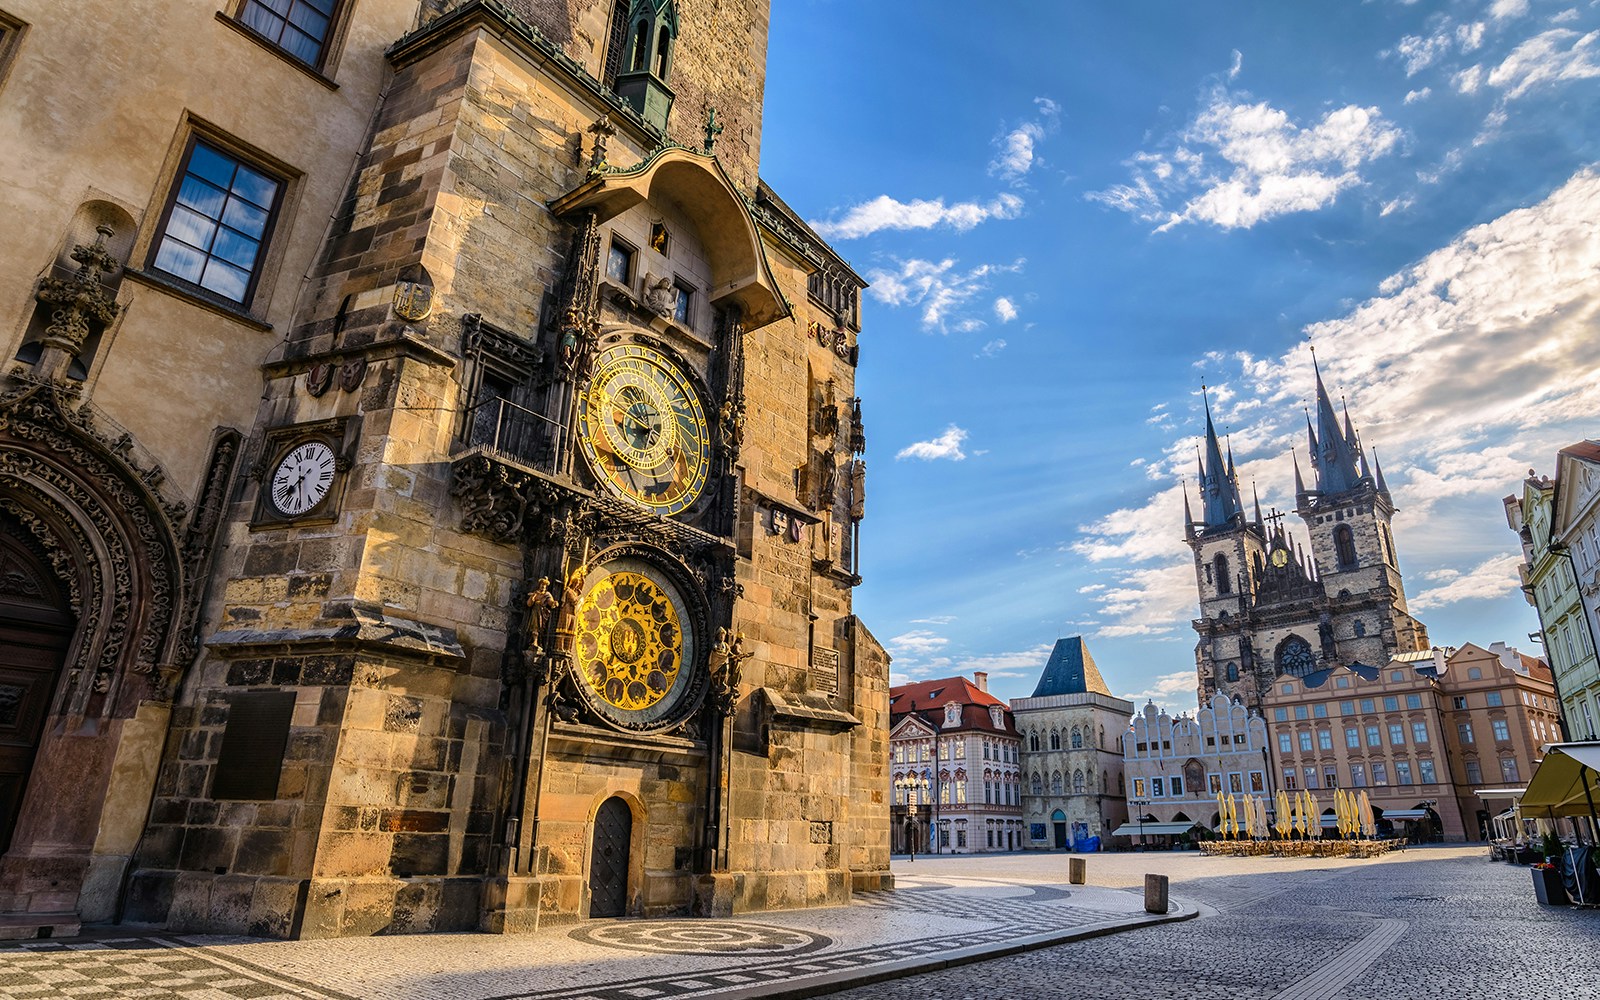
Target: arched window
(1102, 737)
(1038, 784)
(1055, 783)
(1033, 740)
(1295, 657)
(1233, 671)
(1055, 740)
(1220, 570)
(641, 41)
(1103, 778)
(1077, 739)
(1344, 546)
(663, 50)
(1077, 782)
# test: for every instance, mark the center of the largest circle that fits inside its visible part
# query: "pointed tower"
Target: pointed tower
(1347, 514)
(1228, 549)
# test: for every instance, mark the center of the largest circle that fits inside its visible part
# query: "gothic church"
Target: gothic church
(1270, 605)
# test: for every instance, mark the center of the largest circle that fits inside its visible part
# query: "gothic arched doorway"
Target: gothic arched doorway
(608, 859)
(35, 630)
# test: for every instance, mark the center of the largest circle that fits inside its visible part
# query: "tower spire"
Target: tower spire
(1377, 466)
(1260, 524)
(1299, 480)
(1219, 492)
(1188, 516)
(1335, 454)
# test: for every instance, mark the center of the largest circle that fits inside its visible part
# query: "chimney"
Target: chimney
(981, 679)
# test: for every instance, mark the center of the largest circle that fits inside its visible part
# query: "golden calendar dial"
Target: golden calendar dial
(634, 645)
(643, 429)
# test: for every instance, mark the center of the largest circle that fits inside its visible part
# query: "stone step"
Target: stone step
(27, 926)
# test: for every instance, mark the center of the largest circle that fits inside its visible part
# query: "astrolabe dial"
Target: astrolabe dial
(643, 429)
(634, 649)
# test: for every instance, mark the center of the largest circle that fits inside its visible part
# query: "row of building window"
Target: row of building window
(992, 750)
(1403, 775)
(1076, 738)
(1080, 783)
(954, 792)
(1162, 786)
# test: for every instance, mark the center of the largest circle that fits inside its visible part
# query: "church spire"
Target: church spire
(1218, 490)
(1188, 515)
(1335, 455)
(1261, 525)
(1377, 466)
(1299, 480)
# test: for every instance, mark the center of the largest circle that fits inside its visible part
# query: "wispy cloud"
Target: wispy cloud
(1463, 370)
(1004, 309)
(1239, 163)
(917, 642)
(1492, 578)
(946, 445)
(884, 212)
(937, 287)
(992, 348)
(1176, 687)
(1017, 150)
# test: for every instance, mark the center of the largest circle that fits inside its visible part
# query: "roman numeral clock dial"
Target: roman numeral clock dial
(302, 478)
(643, 430)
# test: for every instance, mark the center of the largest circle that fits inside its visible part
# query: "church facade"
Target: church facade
(494, 566)
(1271, 605)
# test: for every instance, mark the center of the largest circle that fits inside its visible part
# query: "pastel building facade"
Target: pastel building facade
(1176, 766)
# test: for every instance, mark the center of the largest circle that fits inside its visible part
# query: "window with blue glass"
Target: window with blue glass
(298, 27)
(217, 223)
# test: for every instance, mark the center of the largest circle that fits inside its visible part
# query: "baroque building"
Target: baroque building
(1422, 734)
(1270, 605)
(440, 516)
(1557, 521)
(1073, 784)
(960, 745)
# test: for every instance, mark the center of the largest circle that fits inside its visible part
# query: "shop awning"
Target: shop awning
(1394, 814)
(1499, 793)
(1151, 829)
(1567, 782)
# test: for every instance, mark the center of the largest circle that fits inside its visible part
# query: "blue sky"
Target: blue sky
(1074, 214)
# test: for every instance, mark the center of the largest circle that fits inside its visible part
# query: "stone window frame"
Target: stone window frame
(329, 52)
(275, 238)
(12, 31)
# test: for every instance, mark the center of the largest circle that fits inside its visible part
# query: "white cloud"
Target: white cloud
(1493, 579)
(917, 642)
(946, 445)
(1021, 663)
(992, 348)
(884, 212)
(1238, 164)
(1396, 205)
(934, 620)
(1017, 149)
(1004, 309)
(1419, 53)
(1502, 9)
(1237, 65)
(1468, 81)
(1557, 55)
(1413, 96)
(1179, 686)
(1463, 370)
(937, 287)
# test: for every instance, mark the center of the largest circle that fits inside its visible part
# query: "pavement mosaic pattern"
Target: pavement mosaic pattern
(1436, 924)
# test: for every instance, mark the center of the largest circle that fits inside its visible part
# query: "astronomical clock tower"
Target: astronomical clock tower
(536, 605)
(1271, 605)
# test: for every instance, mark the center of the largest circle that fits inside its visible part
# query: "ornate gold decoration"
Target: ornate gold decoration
(629, 641)
(643, 430)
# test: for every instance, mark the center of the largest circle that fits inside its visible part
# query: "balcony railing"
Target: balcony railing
(516, 432)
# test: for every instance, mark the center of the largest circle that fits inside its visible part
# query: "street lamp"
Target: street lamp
(910, 784)
(1138, 805)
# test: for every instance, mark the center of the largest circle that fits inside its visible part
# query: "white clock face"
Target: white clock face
(303, 478)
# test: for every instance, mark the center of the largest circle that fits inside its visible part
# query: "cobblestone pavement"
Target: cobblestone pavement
(1438, 923)
(935, 915)
(1441, 923)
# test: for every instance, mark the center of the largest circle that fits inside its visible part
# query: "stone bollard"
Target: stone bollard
(1077, 871)
(1155, 894)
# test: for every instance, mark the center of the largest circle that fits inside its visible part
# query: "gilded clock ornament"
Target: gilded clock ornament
(643, 429)
(634, 648)
(302, 478)
(1279, 557)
